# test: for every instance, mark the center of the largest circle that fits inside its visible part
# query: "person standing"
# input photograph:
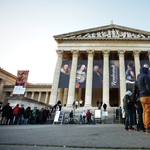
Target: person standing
(5, 113)
(120, 114)
(81, 101)
(76, 104)
(27, 115)
(127, 106)
(16, 114)
(34, 115)
(143, 82)
(104, 106)
(21, 114)
(83, 116)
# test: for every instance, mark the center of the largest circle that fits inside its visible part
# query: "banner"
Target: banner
(97, 74)
(21, 81)
(130, 73)
(65, 74)
(114, 74)
(81, 74)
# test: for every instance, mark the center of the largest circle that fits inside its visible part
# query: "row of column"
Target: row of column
(88, 92)
(39, 96)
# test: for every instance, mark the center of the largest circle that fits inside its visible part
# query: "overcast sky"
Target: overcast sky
(27, 28)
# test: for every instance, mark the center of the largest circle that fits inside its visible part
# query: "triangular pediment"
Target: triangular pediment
(106, 32)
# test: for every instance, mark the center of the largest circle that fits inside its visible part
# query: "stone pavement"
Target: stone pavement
(70, 137)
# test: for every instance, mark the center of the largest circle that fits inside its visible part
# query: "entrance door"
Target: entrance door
(113, 97)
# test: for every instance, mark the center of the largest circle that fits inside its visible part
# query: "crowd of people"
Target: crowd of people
(20, 115)
(140, 102)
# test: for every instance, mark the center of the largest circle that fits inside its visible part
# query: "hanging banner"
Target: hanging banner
(114, 74)
(65, 74)
(145, 62)
(81, 74)
(130, 73)
(97, 74)
(21, 81)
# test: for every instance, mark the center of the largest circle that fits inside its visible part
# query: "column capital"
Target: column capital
(75, 53)
(90, 52)
(136, 52)
(60, 53)
(106, 52)
(121, 52)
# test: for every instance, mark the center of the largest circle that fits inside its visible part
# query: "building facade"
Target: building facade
(98, 64)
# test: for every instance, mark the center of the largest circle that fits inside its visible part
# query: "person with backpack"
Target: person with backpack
(127, 106)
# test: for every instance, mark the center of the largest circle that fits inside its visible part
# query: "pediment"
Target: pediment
(106, 32)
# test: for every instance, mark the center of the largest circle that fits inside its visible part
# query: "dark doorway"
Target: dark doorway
(113, 97)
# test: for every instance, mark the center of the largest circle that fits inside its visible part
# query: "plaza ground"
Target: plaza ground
(44, 137)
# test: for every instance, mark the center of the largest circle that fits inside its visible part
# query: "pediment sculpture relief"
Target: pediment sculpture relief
(114, 33)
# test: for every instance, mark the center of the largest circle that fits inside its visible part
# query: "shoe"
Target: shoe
(131, 129)
(125, 129)
(148, 131)
(141, 130)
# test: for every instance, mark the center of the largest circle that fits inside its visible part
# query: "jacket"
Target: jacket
(143, 82)
(136, 95)
(16, 110)
(127, 98)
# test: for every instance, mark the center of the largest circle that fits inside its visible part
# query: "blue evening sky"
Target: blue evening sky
(27, 28)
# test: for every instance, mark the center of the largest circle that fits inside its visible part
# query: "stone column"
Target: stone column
(46, 98)
(149, 55)
(89, 79)
(3, 97)
(122, 76)
(32, 96)
(65, 96)
(106, 77)
(39, 97)
(25, 95)
(60, 94)
(2, 83)
(72, 80)
(53, 96)
(137, 62)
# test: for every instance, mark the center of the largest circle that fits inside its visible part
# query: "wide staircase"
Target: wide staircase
(108, 117)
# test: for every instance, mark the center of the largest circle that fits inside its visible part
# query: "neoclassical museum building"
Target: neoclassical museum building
(98, 64)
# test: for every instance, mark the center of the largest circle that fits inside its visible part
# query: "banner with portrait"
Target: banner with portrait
(21, 81)
(97, 74)
(130, 73)
(81, 74)
(114, 74)
(145, 62)
(65, 74)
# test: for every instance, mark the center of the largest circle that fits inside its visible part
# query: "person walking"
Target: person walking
(127, 106)
(143, 82)
(83, 116)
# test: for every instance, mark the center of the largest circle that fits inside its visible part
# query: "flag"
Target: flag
(111, 22)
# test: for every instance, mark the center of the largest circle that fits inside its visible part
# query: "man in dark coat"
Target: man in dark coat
(97, 77)
(6, 110)
(64, 76)
(21, 114)
(143, 82)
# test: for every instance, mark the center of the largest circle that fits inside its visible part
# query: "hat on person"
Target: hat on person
(35, 107)
(129, 93)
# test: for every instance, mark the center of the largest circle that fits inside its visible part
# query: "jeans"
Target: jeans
(145, 101)
(20, 119)
(16, 118)
(26, 121)
(33, 119)
(128, 118)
